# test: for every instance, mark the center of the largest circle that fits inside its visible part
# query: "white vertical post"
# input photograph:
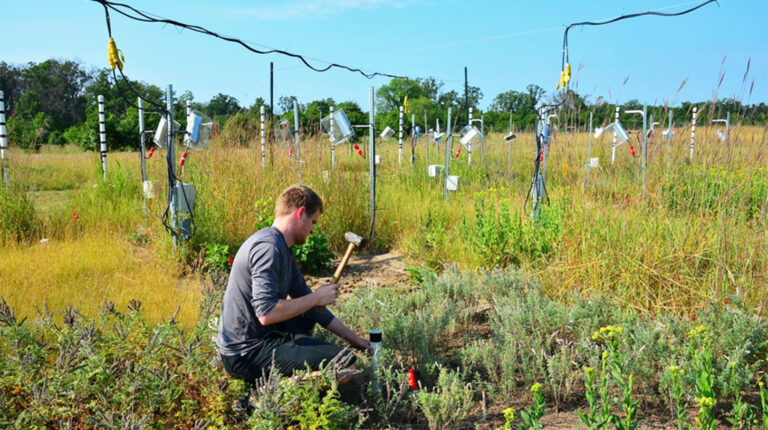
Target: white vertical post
(142, 154)
(693, 132)
(298, 143)
(400, 138)
(728, 133)
(3, 140)
(262, 135)
(426, 140)
(469, 149)
(645, 145)
(669, 138)
(189, 108)
(413, 139)
(372, 162)
(102, 137)
(333, 146)
(447, 156)
(615, 138)
(589, 153)
(482, 139)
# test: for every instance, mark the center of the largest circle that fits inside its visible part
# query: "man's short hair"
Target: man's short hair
(295, 197)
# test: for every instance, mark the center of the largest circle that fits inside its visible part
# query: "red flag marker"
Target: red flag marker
(151, 151)
(412, 380)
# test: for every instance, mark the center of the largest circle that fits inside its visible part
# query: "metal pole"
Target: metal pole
(372, 163)
(728, 133)
(102, 137)
(296, 128)
(447, 156)
(171, 160)
(589, 153)
(400, 138)
(413, 139)
(613, 151)
(142, 154)
(262, 127)
(3, 140)
(333, 147)
(511, 130)
(469, 147)
(645, 146)
(466, 93)
(426, 140)
(271, 91)
(482, 139)
(693, 132)
(669, 137)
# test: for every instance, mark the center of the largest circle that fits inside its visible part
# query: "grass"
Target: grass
(599, 256)
(700, 234)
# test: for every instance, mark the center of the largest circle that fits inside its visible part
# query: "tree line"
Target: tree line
(55, 102)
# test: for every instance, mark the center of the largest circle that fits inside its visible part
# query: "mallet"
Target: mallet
(354, 241)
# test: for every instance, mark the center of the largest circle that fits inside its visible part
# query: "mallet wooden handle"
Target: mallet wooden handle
(340, 269)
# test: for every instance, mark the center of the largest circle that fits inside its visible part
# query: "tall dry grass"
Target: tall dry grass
(699, 235)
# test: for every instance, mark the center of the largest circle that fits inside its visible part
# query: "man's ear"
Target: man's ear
(299, 211)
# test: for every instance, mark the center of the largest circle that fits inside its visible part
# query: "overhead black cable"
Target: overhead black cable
(138, 15)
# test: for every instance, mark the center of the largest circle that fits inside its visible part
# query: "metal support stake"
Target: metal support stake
(372, 162)
(262, 128)
(413, 139)
(426, 140)
(3, 140)
(728, 133)
(447, 156)
(400, 138)
(645, 146)
(333, 147)
(615, 138)
(298, 143)
(470, 111)
(102, 137)
(171, 160)
(589, 153)
(693, 132)
(669, 139)
(482, 140)
(142, 154)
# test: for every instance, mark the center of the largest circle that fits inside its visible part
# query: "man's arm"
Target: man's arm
(339, 329)
(287, 309)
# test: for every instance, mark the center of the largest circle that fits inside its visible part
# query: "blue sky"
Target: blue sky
(505, 44)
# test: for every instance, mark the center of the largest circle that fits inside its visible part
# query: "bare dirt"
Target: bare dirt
(382, 270)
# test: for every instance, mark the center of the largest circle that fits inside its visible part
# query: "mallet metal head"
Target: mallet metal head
(353, 238)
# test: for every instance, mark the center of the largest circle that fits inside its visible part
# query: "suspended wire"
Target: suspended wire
(566, 59)
(135, 14)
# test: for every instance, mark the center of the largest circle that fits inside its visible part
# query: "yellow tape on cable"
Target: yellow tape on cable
(116, 57)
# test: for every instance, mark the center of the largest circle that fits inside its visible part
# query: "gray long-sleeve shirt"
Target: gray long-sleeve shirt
(264, 271)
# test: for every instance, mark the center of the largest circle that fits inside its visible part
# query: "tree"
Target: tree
(11, 84)
(222, 105)
(285, 103)
(390, 97)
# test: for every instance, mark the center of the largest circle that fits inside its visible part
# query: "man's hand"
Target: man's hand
(327, 294)
(362, 344)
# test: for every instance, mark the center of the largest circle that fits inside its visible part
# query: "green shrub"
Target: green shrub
(315, 255)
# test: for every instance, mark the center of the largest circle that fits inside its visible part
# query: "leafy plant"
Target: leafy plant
(532, 414)
(314, 255)
(216, 256)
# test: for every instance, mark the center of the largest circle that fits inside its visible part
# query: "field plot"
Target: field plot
(666, 294)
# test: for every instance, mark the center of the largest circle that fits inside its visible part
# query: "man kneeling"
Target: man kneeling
(258, 321)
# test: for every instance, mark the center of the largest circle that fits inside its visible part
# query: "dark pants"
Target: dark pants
(293, 349)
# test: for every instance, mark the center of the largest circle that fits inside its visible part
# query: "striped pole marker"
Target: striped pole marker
(400, 138)
(3, 140)
(693, 132)
(103, 137)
